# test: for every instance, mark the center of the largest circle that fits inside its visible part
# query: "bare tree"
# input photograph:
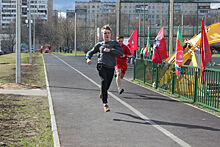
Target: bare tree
(49, 33)
(8, 38)
(66, 32)
(87, 45)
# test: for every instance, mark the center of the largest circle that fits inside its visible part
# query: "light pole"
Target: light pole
(96, 32)
(34, 37)
(34, 31)
(118, 18)
(18, 41)
(75, 35)
(29, 31)
(171, 28)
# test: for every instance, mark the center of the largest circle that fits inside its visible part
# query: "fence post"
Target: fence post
(144, 71)
(157, 76)
(173, 81)
(218, 91)
(195, 88)
(134, 70)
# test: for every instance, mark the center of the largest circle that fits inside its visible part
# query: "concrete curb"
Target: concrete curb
(53, 120)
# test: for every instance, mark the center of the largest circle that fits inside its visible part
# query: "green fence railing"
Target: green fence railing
(162, 76)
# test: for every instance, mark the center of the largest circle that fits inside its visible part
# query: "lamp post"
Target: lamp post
(34, 35)
(75, 35)
(34, 29)
(29, 32)
(171, 28)
(18, 41)
(118, 18)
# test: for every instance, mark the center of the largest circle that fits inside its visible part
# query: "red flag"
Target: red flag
(133, 41)
(205, 51)
(160, 50)
(179, 53)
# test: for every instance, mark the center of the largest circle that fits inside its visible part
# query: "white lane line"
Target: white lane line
(145, 118)
(53, 120)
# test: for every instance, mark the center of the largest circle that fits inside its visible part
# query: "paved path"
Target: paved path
(29, 92)
(138, 118)
(216, 62)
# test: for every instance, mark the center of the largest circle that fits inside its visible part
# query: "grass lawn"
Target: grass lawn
(215, 55)
(24, 120)
(78, 53)
(32, 75)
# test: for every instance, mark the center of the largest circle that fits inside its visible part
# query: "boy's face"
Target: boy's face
(120, 41)
(106, 35)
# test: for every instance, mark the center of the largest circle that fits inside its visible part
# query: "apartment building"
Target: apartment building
(93, 7)
(38, 8)
(70, 14)
(155, 13)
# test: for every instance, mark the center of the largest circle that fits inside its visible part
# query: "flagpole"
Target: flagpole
(182, 24)
(148, 29)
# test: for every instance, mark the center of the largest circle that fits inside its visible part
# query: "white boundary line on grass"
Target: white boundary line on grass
(53, 120)
(145, 118)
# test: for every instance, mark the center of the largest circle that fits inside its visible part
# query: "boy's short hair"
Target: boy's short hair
(120, 37)
(106, 27)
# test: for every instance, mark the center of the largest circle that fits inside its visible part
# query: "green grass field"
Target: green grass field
(32, 74)
(24, 120)
(215, 55)
(78, 53)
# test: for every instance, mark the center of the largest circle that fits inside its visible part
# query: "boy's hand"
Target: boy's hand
(106, 50)
(89, 61)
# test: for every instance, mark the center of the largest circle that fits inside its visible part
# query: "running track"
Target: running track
(138, 118)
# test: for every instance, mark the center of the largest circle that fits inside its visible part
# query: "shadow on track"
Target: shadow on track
(163, 123)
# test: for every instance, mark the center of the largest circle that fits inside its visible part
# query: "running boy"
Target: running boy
(121, 65)
(108, 51)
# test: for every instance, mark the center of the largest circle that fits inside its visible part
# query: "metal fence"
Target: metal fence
(162, 76)
(89, 21)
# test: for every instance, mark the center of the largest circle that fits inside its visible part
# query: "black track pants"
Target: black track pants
(106, 75)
